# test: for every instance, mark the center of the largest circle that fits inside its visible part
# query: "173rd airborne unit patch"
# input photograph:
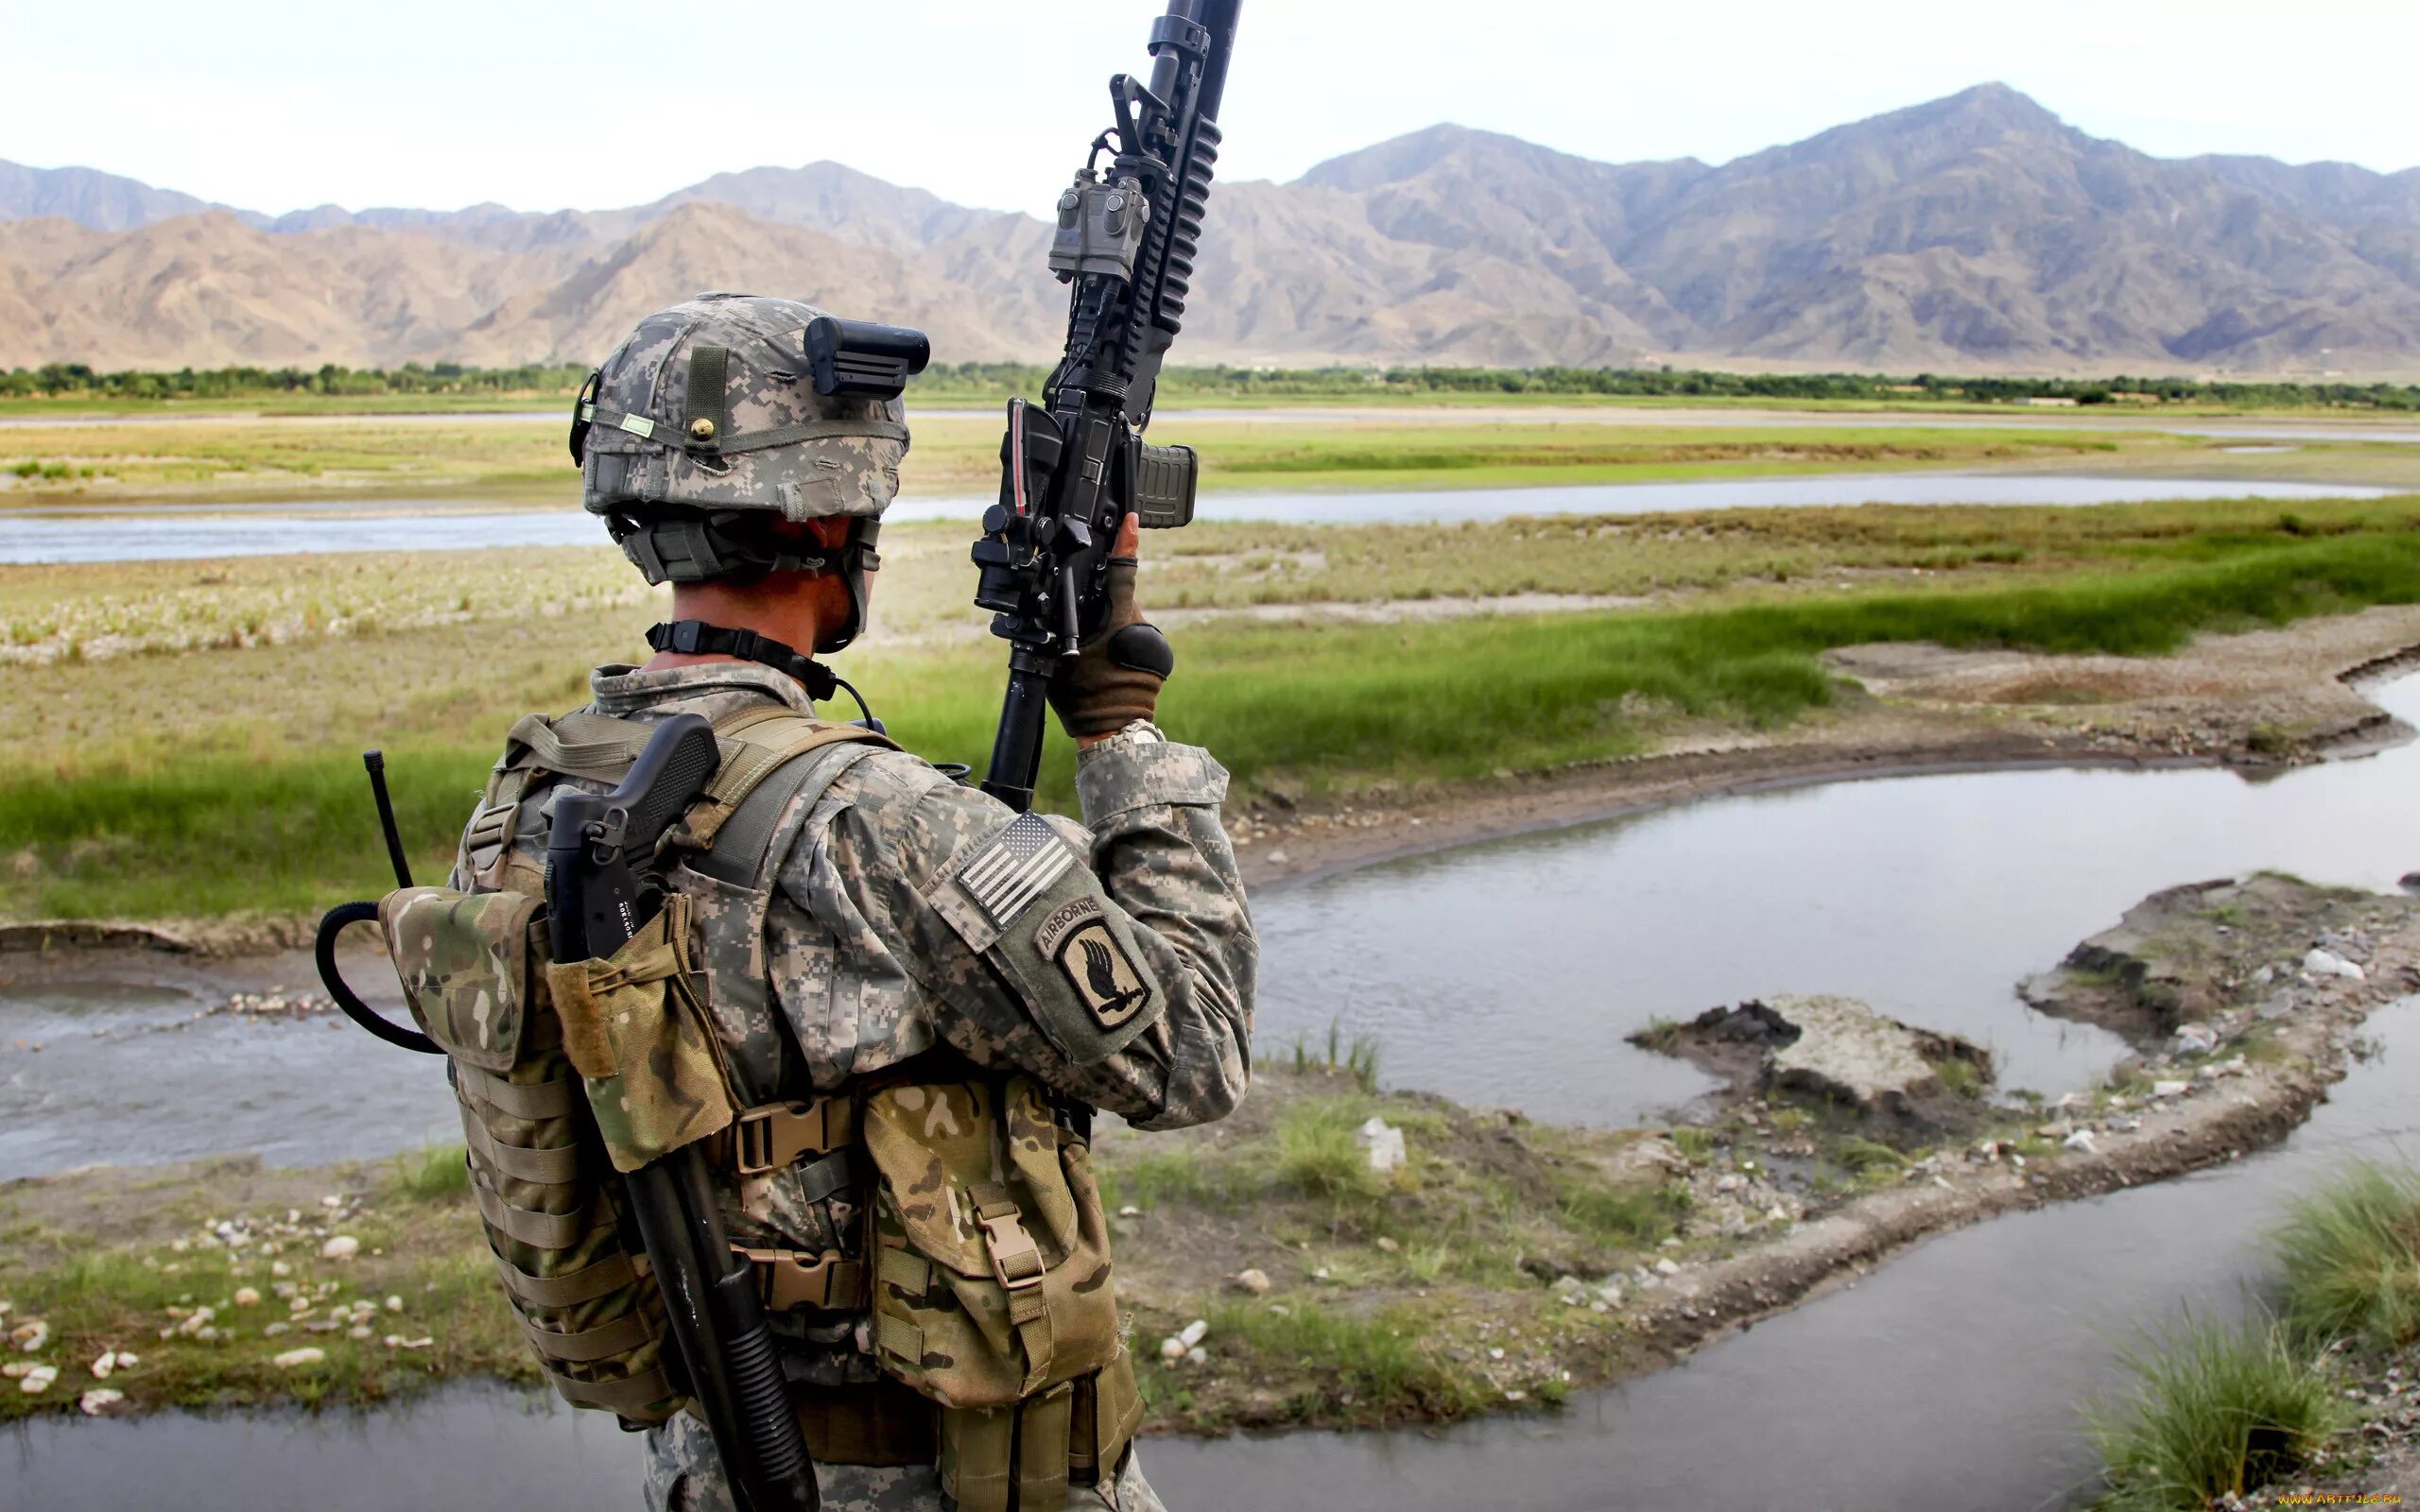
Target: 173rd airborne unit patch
(1077, 967)
(1076, 937)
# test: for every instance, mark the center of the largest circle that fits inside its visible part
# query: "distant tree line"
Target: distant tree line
(79, 380)
(1012, 378)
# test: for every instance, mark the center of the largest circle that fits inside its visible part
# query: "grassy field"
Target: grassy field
(187, 733)
(957, 455)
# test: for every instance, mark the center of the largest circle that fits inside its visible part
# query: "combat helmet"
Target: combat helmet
(713, 420)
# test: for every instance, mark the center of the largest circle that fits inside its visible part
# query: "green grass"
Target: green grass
(1320, 1152)
(1622, 1218)
(1378, 1359)
(432, 1174)
(1159, 1176)
(2348, 1258)
(103, 1296)
(1357, 1058)
(1291, 707)
(1861, 1154)
(1959, 1078)
(2213, 1409)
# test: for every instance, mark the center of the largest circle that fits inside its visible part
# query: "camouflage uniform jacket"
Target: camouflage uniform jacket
(872, 949)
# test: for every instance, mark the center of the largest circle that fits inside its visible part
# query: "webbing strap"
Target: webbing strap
(818, 1179)
(671, 439)
(586, 1285)
(531, 1100)
(746, 835)
(1017, 1266)
(766, 1138)
(597, 747)
(626, 1333)
(770, 743)
(899, 1337)
(628, 1396)
(552, 1167)
(709, 372)
(541, 1230)
(753, 744)
(817, 430)
(903, 1271)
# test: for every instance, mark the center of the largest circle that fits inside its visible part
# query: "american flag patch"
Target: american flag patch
(1012, 870)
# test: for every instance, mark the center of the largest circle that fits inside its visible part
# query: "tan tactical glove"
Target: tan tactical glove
(1116, 679)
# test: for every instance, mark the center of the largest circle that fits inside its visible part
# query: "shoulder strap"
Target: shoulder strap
(757, 742)
(742, 852)
(754, 747)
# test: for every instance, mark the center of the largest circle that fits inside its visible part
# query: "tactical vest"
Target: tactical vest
(944, 1215)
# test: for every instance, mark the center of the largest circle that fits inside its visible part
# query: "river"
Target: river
(69, 533)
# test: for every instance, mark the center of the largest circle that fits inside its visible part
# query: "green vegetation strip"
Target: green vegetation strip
(1287, 706)
(2214, 1410)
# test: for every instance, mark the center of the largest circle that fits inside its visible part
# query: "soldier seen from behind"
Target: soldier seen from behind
(912, 997)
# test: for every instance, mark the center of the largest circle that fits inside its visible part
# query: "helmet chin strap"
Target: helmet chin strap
(697, 637)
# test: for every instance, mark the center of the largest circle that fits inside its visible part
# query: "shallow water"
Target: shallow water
(69, 533)
(127, 1075)
(1952, 1376)
(470, 1448)
(1503, 973)
(1508, 973)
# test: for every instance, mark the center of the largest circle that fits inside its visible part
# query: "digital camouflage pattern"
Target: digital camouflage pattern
(859, 952)
(683, 1476)
(854, 472)
(464, 964)
(634, 1028)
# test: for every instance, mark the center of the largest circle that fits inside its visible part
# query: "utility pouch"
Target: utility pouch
(991, 1287)
(634, 1030)
(475, 972)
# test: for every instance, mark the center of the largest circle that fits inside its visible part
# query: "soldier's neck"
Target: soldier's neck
(787, 612)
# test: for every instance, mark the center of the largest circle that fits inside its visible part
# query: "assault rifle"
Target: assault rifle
(1075, 466)
(597, 896)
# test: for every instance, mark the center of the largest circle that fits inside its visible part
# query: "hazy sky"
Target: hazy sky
(274, 106)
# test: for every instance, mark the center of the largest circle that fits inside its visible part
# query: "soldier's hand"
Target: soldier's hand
(1116, 679)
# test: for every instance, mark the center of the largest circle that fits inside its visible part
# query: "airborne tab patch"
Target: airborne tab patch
(1015, 867)
(1078, 940)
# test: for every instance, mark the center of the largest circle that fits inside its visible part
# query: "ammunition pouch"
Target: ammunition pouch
(992, 1294)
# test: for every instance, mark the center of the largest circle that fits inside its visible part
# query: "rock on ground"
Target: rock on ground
(1846, 1050)
(1832, 1048)
(2206, 953)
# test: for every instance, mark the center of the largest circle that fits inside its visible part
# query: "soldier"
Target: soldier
(900, 926)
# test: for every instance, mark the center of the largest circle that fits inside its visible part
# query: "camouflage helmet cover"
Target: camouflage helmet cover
(775, 445)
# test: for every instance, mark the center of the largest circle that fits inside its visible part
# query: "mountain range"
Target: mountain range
(1978, 232)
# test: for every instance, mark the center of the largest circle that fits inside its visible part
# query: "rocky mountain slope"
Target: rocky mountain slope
(1973, 232)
